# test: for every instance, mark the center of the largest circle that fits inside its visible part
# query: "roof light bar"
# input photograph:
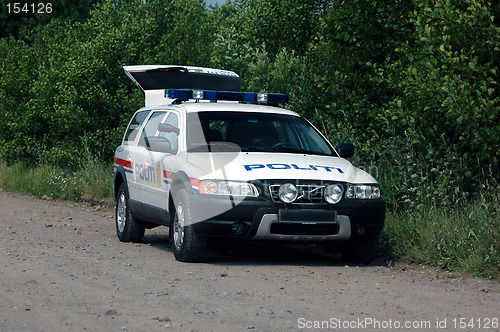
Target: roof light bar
(277, 98)
(262, 97)
(253, 97)
(198, 94)
(179, 94)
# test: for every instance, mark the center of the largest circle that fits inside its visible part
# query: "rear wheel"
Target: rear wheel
(188, 245)
(128, 229)
(360, 250)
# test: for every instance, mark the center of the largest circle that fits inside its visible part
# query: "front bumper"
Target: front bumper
(261, 219)
(271, 228)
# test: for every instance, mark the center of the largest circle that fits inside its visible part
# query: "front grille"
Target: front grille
(308, 194)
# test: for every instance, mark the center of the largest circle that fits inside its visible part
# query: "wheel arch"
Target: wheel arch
(180, 181)
(119, 178)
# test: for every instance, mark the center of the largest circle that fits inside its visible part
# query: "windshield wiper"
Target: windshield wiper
(291, 149)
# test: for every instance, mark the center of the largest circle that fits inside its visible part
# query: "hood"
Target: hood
(248, 166)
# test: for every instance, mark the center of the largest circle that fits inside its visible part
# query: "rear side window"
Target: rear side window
(173, 120)
(134, 126)
(151, 127)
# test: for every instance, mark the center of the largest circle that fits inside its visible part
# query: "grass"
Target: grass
(464, 238)
(92, 183)
(432, 220)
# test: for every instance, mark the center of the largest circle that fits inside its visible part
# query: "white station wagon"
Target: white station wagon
(208, 160)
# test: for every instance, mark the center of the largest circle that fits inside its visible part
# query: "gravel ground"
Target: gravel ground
(63, 268)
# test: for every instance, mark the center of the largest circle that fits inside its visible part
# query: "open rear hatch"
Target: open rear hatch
(155, 79)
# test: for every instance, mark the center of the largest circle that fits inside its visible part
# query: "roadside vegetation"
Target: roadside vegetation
(91, 184)
(413, 84)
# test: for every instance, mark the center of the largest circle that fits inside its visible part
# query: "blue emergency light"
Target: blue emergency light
(253, 97)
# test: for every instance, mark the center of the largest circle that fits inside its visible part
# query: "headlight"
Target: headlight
(233, 188)
(333, 193)
(288, 193)
(363, 191)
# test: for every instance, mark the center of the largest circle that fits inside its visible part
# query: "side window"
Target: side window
(173, 120)
(134, 125)
(151, 128)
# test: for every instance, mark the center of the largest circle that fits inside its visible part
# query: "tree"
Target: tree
(446, 79)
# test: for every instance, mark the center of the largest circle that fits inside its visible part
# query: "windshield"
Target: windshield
(253, 132)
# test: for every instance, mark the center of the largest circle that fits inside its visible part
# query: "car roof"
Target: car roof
(194, 107)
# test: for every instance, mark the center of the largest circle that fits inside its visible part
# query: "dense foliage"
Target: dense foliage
(414, 84)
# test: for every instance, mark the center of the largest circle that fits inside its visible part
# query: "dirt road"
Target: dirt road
(62, 268)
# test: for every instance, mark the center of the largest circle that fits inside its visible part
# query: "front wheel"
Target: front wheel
(128, 229)
(188, 245)
(361, 250)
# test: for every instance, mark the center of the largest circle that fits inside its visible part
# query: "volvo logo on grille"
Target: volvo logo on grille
(307, 194)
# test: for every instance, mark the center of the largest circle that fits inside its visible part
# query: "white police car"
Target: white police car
(207, 160)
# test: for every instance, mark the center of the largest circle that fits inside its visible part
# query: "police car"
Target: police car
(208, 160)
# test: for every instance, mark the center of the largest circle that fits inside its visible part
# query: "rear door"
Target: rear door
(148, 174)
(156, 191)
(131, 154)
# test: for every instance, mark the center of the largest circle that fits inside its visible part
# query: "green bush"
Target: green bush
(447, 95)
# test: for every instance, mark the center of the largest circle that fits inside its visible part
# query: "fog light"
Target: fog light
(239, 228)
(333, 193)
(288, 193)
(362, 230)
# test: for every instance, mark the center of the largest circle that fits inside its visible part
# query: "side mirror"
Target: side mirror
(168, 128)
(160, 144)
(345, 150)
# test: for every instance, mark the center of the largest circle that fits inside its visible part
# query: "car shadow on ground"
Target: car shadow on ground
(231, 252)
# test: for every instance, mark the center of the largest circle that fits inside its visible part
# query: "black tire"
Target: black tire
(361, 250)
(128, 229)
(187, 244)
